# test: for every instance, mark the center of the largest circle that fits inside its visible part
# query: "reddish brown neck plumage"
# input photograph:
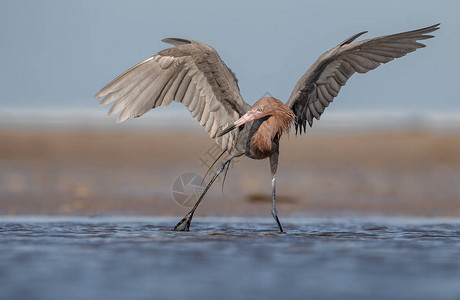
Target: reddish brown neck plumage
(280, 118)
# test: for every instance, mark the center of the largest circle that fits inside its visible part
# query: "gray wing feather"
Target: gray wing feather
(322, 82)
(191, 73)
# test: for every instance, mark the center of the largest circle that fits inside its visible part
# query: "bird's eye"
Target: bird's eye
(260, 109)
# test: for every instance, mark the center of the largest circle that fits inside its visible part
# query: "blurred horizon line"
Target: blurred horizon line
(180, 118)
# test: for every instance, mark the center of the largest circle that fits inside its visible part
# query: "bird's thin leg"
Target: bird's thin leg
(274, 167)
(274, 212)
(184, 224)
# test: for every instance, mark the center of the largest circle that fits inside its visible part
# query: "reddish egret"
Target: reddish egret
(193, 73)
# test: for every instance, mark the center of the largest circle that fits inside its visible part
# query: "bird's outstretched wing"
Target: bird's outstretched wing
(323, 80)
(191, 73)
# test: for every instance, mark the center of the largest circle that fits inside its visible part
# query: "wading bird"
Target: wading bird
(193, 73)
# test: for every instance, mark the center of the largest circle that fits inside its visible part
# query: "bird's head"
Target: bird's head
(264, 107)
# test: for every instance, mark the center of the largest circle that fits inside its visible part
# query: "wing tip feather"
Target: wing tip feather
(176, 41)
(352, 38)
(100, 94)
(102, 103)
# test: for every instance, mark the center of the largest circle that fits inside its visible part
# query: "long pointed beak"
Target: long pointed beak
(249, 116)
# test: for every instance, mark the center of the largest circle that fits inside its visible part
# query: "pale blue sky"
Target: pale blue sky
(58, 54)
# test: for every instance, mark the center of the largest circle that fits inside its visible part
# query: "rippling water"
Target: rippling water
(118, 258)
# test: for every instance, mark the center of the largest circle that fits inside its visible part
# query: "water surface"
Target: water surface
(141, 258)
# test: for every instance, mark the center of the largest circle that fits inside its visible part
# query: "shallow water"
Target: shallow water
(141, 258)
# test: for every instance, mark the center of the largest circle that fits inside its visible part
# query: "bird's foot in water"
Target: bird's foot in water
(184, 224)
(275, 216)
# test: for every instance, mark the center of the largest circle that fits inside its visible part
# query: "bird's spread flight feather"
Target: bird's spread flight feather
(191, 73)
(323, 80)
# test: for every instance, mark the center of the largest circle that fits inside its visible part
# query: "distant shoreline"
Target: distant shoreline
(179, 118)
